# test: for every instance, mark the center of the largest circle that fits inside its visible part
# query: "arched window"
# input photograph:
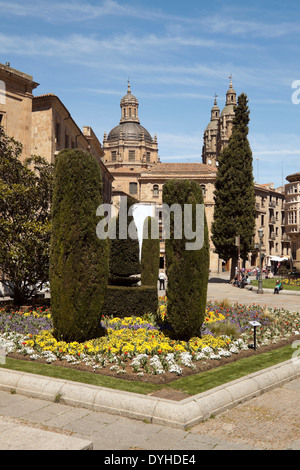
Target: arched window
(203, 189)
(155, 190)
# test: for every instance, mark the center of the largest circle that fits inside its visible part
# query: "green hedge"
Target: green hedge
(122, 301)
(124, 253)
(150, 253)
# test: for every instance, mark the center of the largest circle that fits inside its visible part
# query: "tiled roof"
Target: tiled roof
(179, 168)
(46, 94)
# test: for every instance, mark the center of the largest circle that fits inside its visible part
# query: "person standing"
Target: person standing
(161, 278)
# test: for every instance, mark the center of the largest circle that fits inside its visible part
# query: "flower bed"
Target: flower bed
(142, 345)
(291, 282)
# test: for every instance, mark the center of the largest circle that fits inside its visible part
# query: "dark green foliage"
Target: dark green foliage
(150, 252)
(187, 270)
(124, 302)
(124, 265)
(25, 197)
(124, 253)
(234, 212)
(78, 258)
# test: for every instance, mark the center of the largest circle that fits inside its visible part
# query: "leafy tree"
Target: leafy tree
(187, 269)
(150, 252)
(25, 196)
(234, 212)
(78, 258)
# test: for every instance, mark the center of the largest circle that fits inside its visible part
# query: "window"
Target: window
(132, 188)
(155, 190)
(131, 155)
(113, 155)
(57, 133)
(203, 189)
(1, 118)
(148, 156)
(66, 141)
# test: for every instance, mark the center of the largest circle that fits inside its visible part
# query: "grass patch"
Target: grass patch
(270, 284)
(221, 375)
(66, 373)
(191, 385)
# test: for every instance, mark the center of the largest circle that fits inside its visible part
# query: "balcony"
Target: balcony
(292, 229)
(272, 220)
(272, 204)
(272, 236)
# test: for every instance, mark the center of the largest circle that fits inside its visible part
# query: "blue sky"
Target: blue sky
(177, 55)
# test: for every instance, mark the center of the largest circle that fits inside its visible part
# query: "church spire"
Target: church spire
(215, 111)
(231, 94)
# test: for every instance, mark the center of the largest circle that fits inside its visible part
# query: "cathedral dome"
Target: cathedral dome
(212, 125)
(129, 131)
(228, 109)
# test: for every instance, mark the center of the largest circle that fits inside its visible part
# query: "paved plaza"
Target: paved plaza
(268, 421)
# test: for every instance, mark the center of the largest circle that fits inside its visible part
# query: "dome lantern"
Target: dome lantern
(129, 107)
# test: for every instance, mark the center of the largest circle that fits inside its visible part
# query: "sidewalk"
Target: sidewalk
(261, 411)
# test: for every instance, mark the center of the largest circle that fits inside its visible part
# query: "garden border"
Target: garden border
(180, 414)
(271, 291)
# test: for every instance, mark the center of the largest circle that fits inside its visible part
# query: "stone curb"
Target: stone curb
(182, 415)
(271, 291)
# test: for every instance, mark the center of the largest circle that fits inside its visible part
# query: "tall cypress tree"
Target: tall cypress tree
(234, 213)
(78, 258)
(187, 269)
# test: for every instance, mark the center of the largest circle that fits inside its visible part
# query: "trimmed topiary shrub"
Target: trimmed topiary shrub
(78, 258)
(124, 297)
(124, 252)
(122, 301)
(150, 252)
(187, 270)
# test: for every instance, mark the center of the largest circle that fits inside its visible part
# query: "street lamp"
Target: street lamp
(260, 235)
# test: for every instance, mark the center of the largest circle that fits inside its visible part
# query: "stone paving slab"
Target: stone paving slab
(16, 435)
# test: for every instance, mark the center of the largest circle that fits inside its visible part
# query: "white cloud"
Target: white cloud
(230, 26)
(222, 23)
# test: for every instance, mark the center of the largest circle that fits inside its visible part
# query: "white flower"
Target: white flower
(176, 369)
(224, 352)
(215, 356)
(207, 350)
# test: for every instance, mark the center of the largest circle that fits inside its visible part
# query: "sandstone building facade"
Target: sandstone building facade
(130, 163)
(144, 178)
(42, 124)
(292, 216)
